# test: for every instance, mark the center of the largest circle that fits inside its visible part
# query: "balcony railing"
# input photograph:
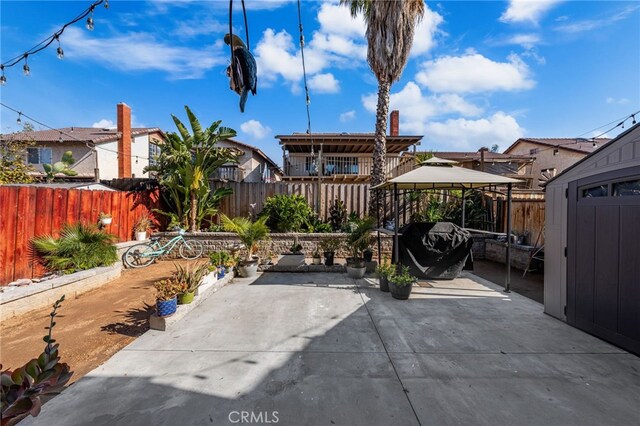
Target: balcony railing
(334, 166)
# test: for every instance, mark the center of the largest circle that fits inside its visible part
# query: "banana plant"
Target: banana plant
(63, 166)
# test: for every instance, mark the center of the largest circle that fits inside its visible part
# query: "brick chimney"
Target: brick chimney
(124, 142)
(394, 128)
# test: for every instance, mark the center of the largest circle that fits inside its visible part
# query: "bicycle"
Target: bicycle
(144, 254)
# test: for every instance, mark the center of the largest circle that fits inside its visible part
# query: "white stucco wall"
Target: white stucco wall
(139, 148)
(618, 154)
(108, 160)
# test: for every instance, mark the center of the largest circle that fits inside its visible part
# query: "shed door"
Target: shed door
(603, 257)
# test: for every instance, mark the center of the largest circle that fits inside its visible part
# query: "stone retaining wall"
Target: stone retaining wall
(279, 243)
(496, 251)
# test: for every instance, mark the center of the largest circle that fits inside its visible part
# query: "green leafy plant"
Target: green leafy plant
(316, 253)
(337, 215)
(248, 232)
(219, 258)
(184, 165)
(286, 213)
(315, 224)
(385, 269)
(359, 238)
(190, 277)
(402, 277)
(23, 387)
(63, 166)
(13, 165)
(167, 288)
(104, 215)
(331, 245)
(80, 246)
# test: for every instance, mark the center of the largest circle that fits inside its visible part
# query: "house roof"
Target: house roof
(344, 142)
(81, 134)
(259, 152)
(571, 144)
(617, 139)
(445, 176)
(68, 185)
(475, 156)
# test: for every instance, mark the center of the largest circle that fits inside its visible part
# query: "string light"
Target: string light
(25, 68)
(19, 120)
(595, 144)
(59, 50)
(47, 41)
(90, 20)
(633, 116)
(556, 151)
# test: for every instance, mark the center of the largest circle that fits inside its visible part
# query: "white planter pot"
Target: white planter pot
(106, 220)
(356, 272)
(141, 236)
(317, 260)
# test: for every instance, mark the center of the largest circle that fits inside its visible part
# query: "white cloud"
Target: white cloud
(593, 24)
(525, 40)
(620, 101)
(469, 135)
(474, 73)
(141, 52)
(255, 129)
(426, 31)
(324, 83)
(416, 109)
(336, 19)
(527, 10)
(104, 124)
(347, 116)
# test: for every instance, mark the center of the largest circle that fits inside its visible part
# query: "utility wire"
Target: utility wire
(89, 144)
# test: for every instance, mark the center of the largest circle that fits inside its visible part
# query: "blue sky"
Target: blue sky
(480, 72)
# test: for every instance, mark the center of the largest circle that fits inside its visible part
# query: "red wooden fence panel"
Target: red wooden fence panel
(28, 211)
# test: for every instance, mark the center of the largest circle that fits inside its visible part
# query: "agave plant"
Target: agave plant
(80, 246)
(189, 277)
(23, 387)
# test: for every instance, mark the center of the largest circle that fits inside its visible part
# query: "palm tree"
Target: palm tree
(390, 29)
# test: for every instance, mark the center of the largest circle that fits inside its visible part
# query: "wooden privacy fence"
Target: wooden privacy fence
(354, 196)
(30, 211)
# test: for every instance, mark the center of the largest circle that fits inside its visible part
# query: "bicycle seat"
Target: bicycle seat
(154, 238)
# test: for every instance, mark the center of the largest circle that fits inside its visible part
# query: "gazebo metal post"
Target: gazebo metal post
(464, 209)
(507, 284)
(378, 214)
(396, 248)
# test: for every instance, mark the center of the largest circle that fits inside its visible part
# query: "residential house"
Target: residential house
(122, 152)
(510, 165)
(253, 165)
(553, 155)
(344, 156)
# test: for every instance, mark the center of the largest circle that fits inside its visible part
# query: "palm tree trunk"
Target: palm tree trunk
(193, 213)
(378, 174)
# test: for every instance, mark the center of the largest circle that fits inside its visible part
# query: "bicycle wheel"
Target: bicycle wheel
(191, 249)
(139, 256)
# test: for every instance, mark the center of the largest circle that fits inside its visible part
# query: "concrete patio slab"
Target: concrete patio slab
(325, 349)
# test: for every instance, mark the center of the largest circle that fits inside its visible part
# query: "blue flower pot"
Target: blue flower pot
(221, 272)
(164, 308)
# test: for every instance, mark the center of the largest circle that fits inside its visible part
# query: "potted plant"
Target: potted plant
(358, 239)
(316, 257)
(105, 218)
(294, 257)
(189, 279)
(367, 254)
(141, 226)
(219, 259)
(384, 271)
(401, 282)
(249, 234)
(166, 296)
(329, 247)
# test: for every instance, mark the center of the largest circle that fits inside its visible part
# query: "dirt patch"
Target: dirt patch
(90, 328)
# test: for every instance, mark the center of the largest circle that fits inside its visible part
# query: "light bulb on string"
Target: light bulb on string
(60, 138)
(25, 68)
(19, 120)
(106, 4)
(3, 79)
(595, 144)
(633, 118)
(90, 21)
(59, 50)
(556, 151)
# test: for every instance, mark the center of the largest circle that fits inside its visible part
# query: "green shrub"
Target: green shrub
(286, 213)
(80, 246)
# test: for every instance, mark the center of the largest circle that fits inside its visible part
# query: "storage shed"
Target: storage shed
(592, 250)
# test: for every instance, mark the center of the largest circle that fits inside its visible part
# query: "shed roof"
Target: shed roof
(442, 176)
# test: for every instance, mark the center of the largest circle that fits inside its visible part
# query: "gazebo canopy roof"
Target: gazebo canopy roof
(445, 176)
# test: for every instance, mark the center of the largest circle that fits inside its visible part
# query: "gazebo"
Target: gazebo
(440, 174)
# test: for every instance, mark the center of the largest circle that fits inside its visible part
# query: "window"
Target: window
(39, 155)
(596, 191)
(626, 189)
(533, 151)
(154, 152)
